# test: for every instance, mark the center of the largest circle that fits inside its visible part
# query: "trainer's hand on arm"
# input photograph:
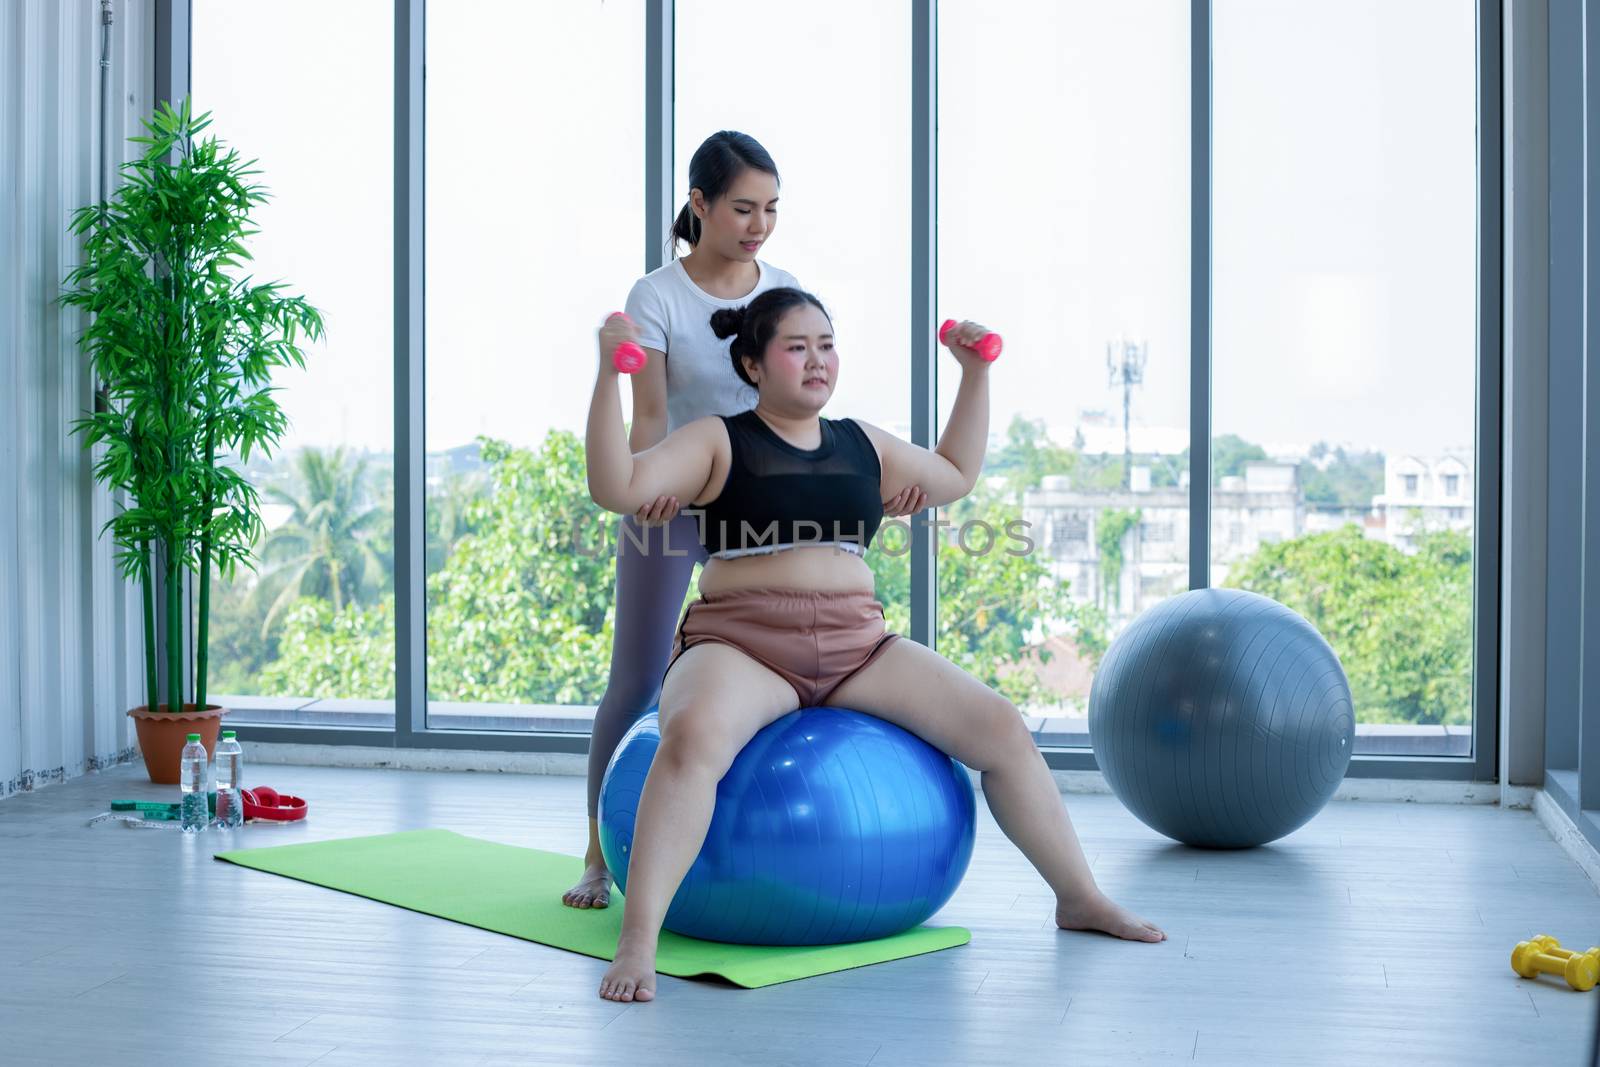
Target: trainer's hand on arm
(908, 501)
(658, 512)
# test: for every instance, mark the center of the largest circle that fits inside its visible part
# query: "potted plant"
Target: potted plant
(183, 349)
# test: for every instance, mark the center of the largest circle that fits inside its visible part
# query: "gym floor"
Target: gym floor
(1379, 933)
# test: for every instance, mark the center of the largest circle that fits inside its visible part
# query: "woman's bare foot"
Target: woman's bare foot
(632, 975)
(593, 889)
(1102, 913)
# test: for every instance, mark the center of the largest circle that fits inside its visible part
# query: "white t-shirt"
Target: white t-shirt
(673, 315)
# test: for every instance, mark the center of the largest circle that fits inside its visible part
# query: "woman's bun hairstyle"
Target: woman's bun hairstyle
(755, 324)
(725, 322)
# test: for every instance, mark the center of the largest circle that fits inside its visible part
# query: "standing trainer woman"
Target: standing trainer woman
(731, 212)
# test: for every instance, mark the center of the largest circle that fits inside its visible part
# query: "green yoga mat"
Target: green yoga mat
(517, 891)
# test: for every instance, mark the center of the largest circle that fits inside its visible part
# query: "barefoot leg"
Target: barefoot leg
(915, 687)
(1023, 796)
(712, 702)
(594, 888)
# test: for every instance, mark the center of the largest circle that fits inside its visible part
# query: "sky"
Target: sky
(1343, 204)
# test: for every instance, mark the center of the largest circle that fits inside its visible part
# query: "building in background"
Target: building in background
(1126, 549)
(1424, 494)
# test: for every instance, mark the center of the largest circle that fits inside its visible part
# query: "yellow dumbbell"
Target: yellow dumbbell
(1545, 954)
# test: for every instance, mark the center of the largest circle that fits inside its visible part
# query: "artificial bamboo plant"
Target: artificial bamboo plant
(184, 348)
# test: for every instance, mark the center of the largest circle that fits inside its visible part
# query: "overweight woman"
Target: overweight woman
(787, 615)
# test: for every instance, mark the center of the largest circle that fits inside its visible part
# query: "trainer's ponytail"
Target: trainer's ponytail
(686, 227)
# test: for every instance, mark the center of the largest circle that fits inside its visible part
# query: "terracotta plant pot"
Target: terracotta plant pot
(162, 736)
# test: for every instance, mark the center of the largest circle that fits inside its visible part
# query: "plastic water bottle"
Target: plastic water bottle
(230, 772)
(195, 780)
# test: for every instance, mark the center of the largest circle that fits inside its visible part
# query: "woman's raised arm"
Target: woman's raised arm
(619, 481)
(948, 471)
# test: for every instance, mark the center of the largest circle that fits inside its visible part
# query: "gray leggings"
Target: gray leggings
(651, 583)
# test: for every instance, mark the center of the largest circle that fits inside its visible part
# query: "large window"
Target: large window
(1342, 214)
(1344, 409)
(1064, 224)
(534, 210)
(309, 636)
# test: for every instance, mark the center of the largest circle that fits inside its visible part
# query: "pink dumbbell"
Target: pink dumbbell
(988, 346)
(627, 357)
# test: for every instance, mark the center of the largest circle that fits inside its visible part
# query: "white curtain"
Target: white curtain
(70, 652)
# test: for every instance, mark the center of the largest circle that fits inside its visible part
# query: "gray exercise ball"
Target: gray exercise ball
(1221, 718)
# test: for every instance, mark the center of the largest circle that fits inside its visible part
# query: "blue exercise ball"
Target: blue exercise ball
(830, 826)
(1222, 719)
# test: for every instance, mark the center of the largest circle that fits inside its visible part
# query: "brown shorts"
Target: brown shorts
(814, 641)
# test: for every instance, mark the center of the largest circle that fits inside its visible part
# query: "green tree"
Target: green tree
(1229, 454)
(1400, 624)
(520, 612)
(1345, 480)
(323, 652)
(1100, 473)
(328, 547)
(448, 517)
(239, 650)
(1109, 533)
(997, 598)
(1028, 456)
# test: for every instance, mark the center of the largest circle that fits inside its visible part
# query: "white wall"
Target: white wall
(70, 659)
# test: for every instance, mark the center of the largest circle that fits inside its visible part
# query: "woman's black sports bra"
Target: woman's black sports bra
(778, 496)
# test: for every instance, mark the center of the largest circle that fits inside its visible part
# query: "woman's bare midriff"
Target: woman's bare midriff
(818, 569)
